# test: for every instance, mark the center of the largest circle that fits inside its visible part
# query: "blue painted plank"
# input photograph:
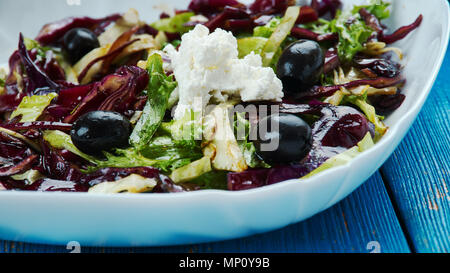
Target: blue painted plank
(365, 216)
(418, 173)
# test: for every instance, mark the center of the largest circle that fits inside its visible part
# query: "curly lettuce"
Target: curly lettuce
(379, 8)
(351, 28)
(353, 33)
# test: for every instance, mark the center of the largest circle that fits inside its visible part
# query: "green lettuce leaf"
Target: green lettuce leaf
(267, 30)
(32, 107)
(248, 45)
(214, 180)
(41, 50)
(176, 143)
(279, 35)
(192, 170)
(174, 24)
(247, 147)
(345, 157)
(125, 158)
(29, 176)
(60, 140)
(159, 89)
(257, 42)
(2, 78)
(351, 36)
(269, 40)
(171, 154)
(163, 152)
(130, 158)
(251, 158)
(175, 43)
(352, 30)
(188, 130)
(121, 158)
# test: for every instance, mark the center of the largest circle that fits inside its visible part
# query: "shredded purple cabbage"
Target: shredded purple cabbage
(53, 32)
(326, 6)
(65, 176)
(401, 32)
(42, 125)
(38, 81)
(116, 92)
(380, 67)
(325, 91)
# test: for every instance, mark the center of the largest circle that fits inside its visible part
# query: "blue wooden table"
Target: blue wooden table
(404, 207)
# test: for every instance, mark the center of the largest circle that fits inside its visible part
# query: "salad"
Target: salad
(221, 95)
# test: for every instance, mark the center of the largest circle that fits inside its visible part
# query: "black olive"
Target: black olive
(78, 42)
(292, 140)
(300, 66)
(99, 131)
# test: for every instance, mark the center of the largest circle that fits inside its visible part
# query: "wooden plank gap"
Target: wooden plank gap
(398, 213)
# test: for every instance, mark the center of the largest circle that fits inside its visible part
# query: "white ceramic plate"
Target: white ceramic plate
(169, 219)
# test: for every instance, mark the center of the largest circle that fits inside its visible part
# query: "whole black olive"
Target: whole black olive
(78, 42)
(291, 142)
(300, 66)
(99, 131)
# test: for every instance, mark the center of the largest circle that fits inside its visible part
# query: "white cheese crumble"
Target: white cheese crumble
(207, 69)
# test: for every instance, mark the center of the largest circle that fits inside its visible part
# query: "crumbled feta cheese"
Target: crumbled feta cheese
(207, 68)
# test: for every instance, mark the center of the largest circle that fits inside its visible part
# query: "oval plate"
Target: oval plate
(204, 216)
